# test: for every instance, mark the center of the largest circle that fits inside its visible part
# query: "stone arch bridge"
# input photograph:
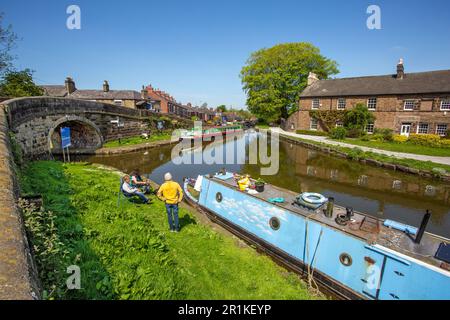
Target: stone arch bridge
(35, 122)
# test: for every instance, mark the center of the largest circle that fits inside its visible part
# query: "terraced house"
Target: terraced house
(405, 102)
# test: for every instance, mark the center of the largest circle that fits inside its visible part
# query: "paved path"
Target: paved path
(440, 160)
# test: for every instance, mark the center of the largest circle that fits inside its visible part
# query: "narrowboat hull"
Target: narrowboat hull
(309, 244)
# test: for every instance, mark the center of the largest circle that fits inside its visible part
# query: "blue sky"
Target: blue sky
(195, 49)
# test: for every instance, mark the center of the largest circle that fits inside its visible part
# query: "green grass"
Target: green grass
(401, 147)
(357, 154)
(128, 253)
(137, 140)
(262, 126)
(312, 133)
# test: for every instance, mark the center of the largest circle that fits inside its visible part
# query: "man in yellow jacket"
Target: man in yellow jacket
(171, 193)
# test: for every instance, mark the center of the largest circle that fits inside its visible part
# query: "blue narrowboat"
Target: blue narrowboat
(350, 254)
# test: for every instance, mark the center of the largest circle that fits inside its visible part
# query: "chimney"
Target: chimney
(312, 77)
(144, 93)
(400, 69)
(70, 85)
(105, 86)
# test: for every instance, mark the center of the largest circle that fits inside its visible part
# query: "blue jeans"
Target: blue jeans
(141, 196)
(172, 214)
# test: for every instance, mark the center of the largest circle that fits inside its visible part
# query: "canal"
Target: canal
(382, 193)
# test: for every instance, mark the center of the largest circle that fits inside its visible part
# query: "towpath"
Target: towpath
(322, 139)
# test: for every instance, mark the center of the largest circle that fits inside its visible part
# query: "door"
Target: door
(406, 129)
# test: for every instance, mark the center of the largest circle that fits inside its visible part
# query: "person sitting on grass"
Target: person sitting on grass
(130, 190)
(171, 193)
(137, 181)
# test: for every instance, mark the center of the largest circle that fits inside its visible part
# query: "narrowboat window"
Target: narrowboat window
(345, 259)
(274, 223)
(219, 197)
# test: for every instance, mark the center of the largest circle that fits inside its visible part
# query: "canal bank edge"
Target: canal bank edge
(133, 148)
(18, 273)
(386, 165)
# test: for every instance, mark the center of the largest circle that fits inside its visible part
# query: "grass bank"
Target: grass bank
(358, 154)
(127, 252)
(401, 147)
(137, 140)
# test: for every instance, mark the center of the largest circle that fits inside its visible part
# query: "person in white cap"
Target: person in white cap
(171, 193)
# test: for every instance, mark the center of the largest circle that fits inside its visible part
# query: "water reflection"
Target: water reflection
(374, 190)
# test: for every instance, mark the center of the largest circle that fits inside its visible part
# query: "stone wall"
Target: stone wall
(389, 112)
(18, 275)
(35, 119)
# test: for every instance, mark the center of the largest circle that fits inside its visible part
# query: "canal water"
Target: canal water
(379, 192)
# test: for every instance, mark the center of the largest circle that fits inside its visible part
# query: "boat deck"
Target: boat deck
(363, 226)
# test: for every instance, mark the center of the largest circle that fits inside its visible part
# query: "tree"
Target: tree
(7, 42)
(19, 84)
(274, 78)
(358, 117)
(221, 108)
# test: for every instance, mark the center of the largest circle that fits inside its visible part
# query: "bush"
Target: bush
(355, 133)
(338, 133)
(386, 134)
(399, 138)
(431, 140)
(312, 132)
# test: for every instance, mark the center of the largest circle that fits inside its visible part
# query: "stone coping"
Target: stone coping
(18, 274)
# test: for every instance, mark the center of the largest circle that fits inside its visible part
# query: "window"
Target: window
(422, 128)
(315, 104)
(341, 104)
(441, 129)
(339, 124)
(369, 128)
(372, 103)
(445, 105)
(409, 105)
(313, 124)
(118, 102)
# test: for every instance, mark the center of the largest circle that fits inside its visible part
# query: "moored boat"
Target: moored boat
(351, 254)
(202, 133)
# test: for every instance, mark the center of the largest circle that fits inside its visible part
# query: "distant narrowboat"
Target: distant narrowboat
(351, 254)
(201, 133)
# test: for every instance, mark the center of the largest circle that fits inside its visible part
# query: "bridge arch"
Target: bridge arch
(85, 134)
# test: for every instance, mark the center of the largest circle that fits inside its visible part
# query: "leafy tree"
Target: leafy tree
(7, 41)
(274, 78)
(222, 108)
(19, 84)
(358, 117)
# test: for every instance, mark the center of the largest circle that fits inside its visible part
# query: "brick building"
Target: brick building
(124, 98)
(405, 102)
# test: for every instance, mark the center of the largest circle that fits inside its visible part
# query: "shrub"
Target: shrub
(355, 133)
(447, 134)
(386, 134)
(312, 132)
(356, 154)
(338, 133)
(399, 138)
(358, 117)
(432, 140)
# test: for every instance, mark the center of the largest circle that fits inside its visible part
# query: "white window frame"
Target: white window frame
(313, 104)
(311, 124)
(445, 102)
(369, 103)
(339, 105)
(409, 101)
(370, 125)
(419, 128)
(118, 102)
(444, 132)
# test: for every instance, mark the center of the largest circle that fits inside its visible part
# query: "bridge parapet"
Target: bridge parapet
(35, 122)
